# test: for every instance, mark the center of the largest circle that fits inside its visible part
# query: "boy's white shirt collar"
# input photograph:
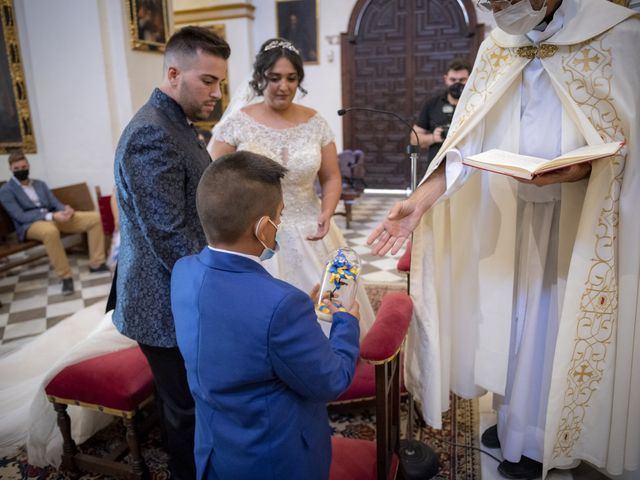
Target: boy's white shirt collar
(221, 250)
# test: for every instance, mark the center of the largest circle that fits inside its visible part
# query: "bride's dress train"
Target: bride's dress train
(26, 416)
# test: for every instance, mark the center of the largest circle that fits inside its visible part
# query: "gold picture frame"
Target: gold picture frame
(148, 24)
(16, 130)
(297, 21)
(220, 30)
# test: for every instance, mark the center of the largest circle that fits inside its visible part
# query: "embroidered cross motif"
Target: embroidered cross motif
(499, 56)
(531, 51)
(584, 372)
(586, 60)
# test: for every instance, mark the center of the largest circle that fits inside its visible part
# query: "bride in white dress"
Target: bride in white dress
(267, 121)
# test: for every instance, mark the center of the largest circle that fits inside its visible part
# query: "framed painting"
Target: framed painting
(216, 115)
(16, 131)
(149, 24)
(297, 22)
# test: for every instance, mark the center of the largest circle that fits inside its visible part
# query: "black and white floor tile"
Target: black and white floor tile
(368, 211)
(32, 299)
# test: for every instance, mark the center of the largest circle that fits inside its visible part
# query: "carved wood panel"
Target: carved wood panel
(393, 57)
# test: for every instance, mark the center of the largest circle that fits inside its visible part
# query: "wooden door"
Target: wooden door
(393, 57)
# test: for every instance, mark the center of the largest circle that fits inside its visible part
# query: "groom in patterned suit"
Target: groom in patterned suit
(159, 161)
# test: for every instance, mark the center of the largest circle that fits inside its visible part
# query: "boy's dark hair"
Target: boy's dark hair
(235, 191)
(188, 40)
(458, 64)
(276, 48)
(16, 156)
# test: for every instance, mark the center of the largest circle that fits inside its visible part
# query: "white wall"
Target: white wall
(66, 86)
(84, 83)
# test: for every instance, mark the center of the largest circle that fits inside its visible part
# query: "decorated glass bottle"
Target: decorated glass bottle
(339, 282)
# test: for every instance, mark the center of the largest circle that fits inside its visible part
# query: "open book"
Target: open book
(523, 166)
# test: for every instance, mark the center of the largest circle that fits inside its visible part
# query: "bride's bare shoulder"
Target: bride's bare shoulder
(305, 113)
(253, 108)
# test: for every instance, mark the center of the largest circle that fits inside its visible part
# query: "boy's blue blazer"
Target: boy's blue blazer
(259, 367)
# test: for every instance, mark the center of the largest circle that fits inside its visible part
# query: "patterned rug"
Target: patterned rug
(460, 431)
(456, 460)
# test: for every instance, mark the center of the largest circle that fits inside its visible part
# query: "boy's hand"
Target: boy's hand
(354, 310)
(314, 292)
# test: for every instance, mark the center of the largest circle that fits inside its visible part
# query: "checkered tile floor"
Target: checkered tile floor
(32, 299)
(368, 212)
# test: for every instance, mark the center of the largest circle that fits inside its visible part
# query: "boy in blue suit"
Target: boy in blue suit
(259, 367)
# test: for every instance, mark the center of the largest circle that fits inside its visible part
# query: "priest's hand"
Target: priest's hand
(572, 173)
(354, 310)
(391, 234)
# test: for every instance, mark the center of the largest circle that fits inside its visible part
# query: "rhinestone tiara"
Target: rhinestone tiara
(281, 44)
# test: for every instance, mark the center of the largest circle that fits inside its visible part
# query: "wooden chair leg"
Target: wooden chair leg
(347, 209)
(69, 448)
(138, 465)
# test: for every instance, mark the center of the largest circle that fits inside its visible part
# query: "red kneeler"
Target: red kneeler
(404, 264)
(118, 383)
(354, 459)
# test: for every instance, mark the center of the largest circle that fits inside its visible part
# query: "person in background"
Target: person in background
(158, 164)
(38, 215)
(435, 116)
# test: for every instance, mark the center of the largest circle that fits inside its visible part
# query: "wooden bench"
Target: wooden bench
(77, 196)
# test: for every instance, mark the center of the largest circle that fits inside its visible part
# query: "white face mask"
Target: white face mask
(520, 18)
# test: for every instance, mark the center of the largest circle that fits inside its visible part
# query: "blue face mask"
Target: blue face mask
(268, 253)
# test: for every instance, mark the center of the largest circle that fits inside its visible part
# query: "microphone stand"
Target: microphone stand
(417, 459)
(412, 150)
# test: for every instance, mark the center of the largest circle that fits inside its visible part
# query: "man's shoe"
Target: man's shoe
(490, 437)
(67, 286)
(100, 269)
(525, 469)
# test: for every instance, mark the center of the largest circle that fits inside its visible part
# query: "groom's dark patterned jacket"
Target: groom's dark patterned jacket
(158, 164)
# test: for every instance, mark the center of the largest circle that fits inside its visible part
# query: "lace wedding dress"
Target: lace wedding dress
(300, 261)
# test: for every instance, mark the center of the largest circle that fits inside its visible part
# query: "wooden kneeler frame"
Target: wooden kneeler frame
(119, 384)
(74, 460)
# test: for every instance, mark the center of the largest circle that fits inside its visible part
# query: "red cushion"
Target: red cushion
(404, 264)
(106, 215)
(364, 383)
(389, 329)
(353, 459)
(118, 380)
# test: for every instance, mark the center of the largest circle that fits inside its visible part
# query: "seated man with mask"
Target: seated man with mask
(38, 215)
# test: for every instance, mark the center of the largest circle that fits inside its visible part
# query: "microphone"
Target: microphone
(344, 111)
(412, 150)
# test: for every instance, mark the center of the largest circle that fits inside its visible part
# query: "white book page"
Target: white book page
(590, 151)
(504, 159)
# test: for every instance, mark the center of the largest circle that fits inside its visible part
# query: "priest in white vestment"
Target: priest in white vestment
(530, 290)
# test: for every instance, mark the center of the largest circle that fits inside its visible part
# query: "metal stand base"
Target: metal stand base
(417, 460)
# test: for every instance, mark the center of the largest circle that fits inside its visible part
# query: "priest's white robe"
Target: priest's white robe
(463, 262)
